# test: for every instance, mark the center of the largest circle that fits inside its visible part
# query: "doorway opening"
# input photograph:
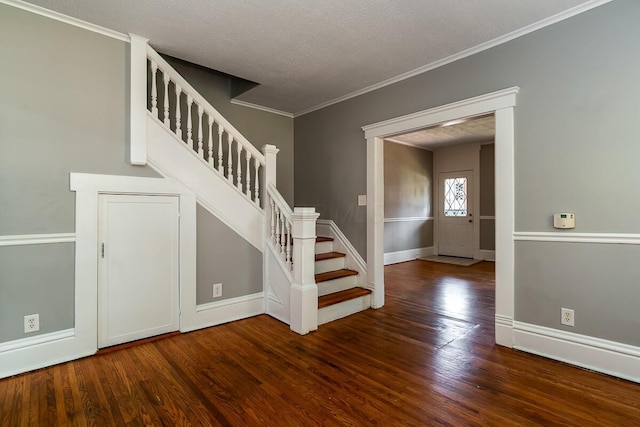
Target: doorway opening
(501, 104)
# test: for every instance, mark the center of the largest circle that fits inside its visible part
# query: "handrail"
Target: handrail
(165, 67)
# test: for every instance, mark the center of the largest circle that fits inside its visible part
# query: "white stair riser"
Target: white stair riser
(324, 247)
(333, 286)
(338, 284)
(329, 265)
(343, 309)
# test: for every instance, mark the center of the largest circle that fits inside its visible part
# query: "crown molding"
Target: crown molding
(262, 108)
(67, 19)
(460, 55)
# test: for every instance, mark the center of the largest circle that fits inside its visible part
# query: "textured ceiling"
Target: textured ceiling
(305, 53)
(477, 129)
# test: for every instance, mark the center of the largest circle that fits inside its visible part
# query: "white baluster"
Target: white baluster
(272, 234)
(200, 149)
(165, 79)
(230, 158)
(154, 89)
(178, 113)
(220, 131)
(210, 141)
(278, 235)
(288, 255)
(189, 124)
(248, 178)
(256, 188)
(283, 238)
(239, 167)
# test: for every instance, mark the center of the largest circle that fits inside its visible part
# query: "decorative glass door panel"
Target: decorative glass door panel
(455, 196)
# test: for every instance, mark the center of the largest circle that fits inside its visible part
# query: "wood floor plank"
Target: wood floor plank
(426, 358)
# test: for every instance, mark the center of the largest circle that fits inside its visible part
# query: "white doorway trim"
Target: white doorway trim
(88, 187)
(501, 103)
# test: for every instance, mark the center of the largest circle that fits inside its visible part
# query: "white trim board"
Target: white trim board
(407, 255)
(570, 237)
(608, 357)
(228, 310)
(502, 104)
(27, 354)
(37, 239)
(261, 108)
(409, 218)
(38, 10)
(460, 55)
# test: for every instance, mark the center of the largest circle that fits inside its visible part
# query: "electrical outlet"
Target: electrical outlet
(568, 317)
(217, 290)
(31, 323)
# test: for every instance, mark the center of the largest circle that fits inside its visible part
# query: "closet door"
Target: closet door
(138, 286)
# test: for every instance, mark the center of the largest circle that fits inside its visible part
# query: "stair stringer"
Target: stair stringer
(172, 158)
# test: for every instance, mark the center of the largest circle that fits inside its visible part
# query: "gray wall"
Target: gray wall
(63, 109)
(576, 150)
(408, 192)
(259, 127)
(487, 197)
(224, 257)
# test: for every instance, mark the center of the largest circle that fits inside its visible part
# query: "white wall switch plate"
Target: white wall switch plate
(362, 200)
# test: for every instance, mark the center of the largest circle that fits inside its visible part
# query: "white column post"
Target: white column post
(304, 291)
(375, 220)
(138, 100)
(270, 156)
(270, 153)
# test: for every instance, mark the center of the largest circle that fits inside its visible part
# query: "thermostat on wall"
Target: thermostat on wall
(564, 220)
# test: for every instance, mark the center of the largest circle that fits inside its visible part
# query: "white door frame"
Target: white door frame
(501, 103)
(88, 187)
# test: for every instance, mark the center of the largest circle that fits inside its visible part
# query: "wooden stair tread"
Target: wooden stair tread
(336, 274)
(323, 239)
(338, 297)
(329, 255)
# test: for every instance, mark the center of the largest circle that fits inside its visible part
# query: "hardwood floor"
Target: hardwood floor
(426, 358)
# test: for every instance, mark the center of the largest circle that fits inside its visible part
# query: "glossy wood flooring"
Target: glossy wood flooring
(427, 358)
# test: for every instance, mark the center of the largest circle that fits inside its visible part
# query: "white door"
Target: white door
(138, 267)
(455, 217)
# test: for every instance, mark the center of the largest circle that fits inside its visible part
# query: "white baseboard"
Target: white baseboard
(486, 255)
(608, 357)
(37, 352)
(407, 255)
(504, 330)
(219, 312)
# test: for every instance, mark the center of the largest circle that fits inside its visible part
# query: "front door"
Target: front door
(455, 218)
(138, 290)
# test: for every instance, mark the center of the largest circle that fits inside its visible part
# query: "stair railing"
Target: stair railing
(292, 234)
(203, 130)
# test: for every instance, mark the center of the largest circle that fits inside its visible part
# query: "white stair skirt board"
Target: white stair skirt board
(452, 260)
(407, 255)
(277, 286)
(340, 243)
(337, 285)
(343, 309)
(330, 265)
(169, 157)
(608, 357)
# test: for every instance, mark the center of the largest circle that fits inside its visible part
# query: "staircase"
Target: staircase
(308, 281)
(338, 292)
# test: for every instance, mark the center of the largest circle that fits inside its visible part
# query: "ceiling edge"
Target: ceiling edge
(39, 10)
(460, 55)
(260, 107)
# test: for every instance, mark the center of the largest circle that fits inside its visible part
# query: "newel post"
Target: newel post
(304, 292)
(138, 100)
